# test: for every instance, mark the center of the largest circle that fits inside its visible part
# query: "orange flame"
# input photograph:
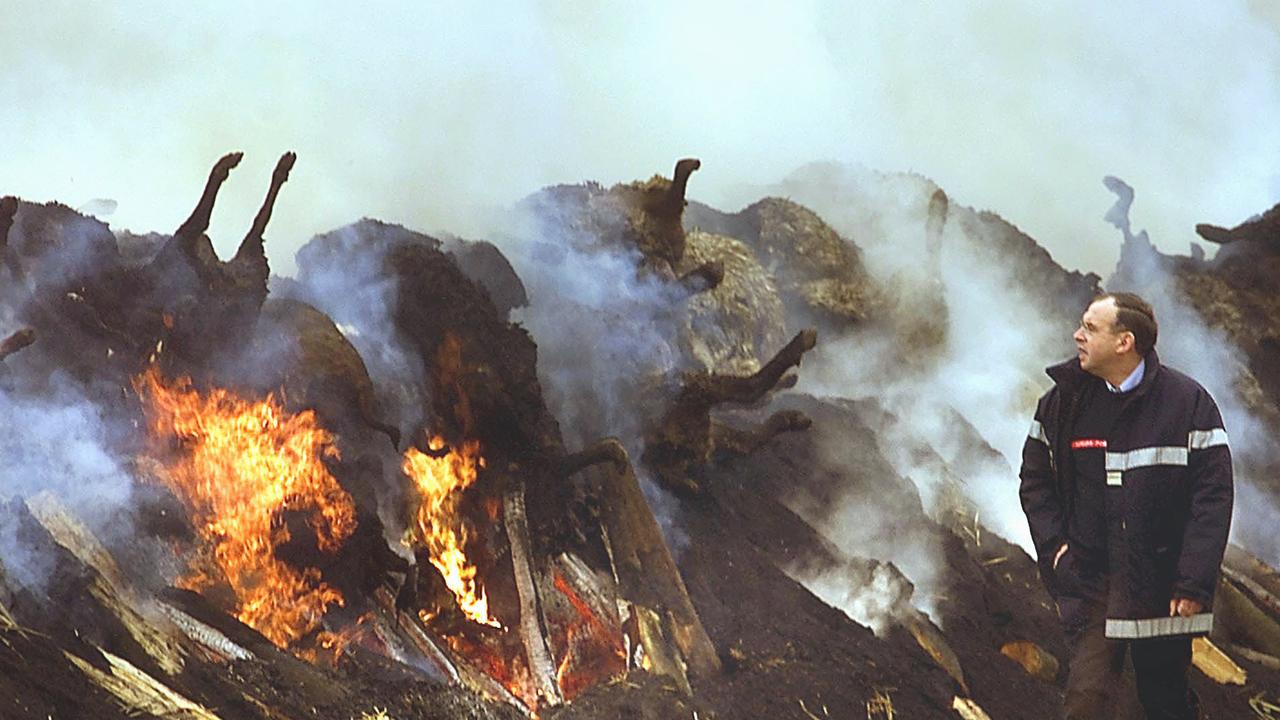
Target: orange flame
(244, 464)
(440, 482)
(331, 646)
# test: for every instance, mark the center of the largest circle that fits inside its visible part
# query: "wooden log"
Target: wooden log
(532, 634)
(1245, 622)
(931, 640)
(455, 669)
(591, 643)
(1270, 662)
(1255, 589)
(1255, 577)
(138, 692)
(106, 583)
(71, 534)
(1038, 662)
(410, 626)
(600, 599)
(659, 652)
(968, 709)
(204, 635)
(8, 624)
(1215, 664)
(608, 450)
(647, 574)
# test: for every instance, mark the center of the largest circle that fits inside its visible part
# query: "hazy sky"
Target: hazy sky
(426, 113)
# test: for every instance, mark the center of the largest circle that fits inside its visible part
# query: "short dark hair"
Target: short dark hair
(1133, 314)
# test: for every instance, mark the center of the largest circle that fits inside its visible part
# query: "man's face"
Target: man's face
(1098, 342)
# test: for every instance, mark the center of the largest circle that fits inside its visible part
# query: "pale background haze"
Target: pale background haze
(431, 114)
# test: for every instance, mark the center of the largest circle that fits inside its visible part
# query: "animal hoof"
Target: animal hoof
(225, 164)
(284, 165)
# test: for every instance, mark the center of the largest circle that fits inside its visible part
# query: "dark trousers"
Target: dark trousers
(1095, 678)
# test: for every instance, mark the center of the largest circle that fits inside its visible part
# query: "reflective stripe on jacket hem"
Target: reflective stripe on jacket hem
(1198, 624)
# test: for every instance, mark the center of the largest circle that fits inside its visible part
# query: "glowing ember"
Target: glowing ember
(440, 482)
(331, 646)
(508, 669)
(243, 465)
(592, 653)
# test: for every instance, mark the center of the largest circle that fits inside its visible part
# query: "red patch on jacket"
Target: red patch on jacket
(1088, 443)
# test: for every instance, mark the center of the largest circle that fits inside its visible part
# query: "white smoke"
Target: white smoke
(989, 368)
(600, 327)
(606, 336)
(348, 280)
(956, 412)
(605, 332)
(59, 444)
(876, 601)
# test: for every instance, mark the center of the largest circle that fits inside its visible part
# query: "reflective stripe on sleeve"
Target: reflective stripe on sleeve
(1160, 627)
(1202, 439)
(1037, 432)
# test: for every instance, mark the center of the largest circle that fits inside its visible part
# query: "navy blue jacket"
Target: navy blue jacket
(1169, 496)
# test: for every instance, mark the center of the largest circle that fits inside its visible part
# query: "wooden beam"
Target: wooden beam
(541, 666)
(647, 574)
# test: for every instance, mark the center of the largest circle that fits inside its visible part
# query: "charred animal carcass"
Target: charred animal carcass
(820, 275)
(682, 442)
(644, 217)
(1260, 230)
(301, 351)
(61, 275)
(730, 327)
(208, 304)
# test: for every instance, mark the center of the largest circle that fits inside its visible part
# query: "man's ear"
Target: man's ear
(1125, 343)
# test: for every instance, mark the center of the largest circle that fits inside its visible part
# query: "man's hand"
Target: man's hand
(1184, 607)
(1062, 551)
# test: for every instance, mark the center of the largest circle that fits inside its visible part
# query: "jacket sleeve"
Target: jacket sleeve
(1210, 491)
(1039, 489)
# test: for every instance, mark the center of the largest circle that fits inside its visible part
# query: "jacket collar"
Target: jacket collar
(1069, 375)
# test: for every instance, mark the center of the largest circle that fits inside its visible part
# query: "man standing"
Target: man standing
(1127, 487)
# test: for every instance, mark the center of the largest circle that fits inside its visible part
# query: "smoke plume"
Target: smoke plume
(58, 444)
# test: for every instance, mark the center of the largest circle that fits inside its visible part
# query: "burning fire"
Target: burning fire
(440, 482)
(592, 653)
(243, 465)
